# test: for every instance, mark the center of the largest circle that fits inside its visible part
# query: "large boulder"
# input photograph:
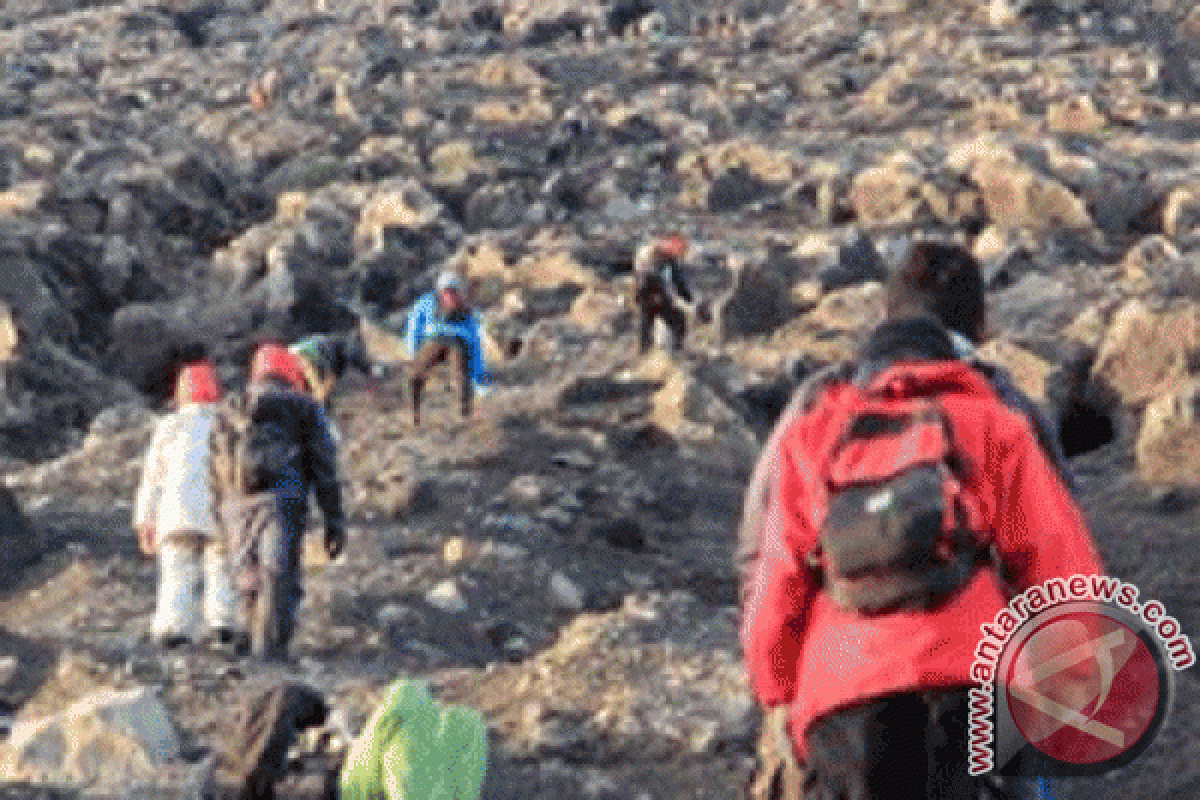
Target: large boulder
(759, 303)
(25, 291)
(1015, 195)
(1029, 371)
(1146, 352)
(1168, 444)
(404, 205)
(147, 347)
(889, 194)
(112, 739)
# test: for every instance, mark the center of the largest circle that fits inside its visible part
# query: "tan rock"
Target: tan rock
(878, 95)
(772, 166)
(548, 270)
(530, 112)
(1016, 197)
(455, 550)
(1190, 25)
(507, 72)
(981, 150)
(1168, 444)
(9, 335)
(857, 308)
(807, 294)
(113, 739)
(992, 242)
(998, 115)
(22, 198)
(407, 205)
(454, 161)
(595, 309)
(1028, 370)
(1181, 212)
(394, 149)
(1146, 353)
(1077, 115)
(291, 205)
(1145, 259)
(38, 156)
(890, 194)
(1088, 328)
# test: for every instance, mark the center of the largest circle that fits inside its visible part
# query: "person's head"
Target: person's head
(450, 290)
(942, 280)
(198, 382)
(275, 363)
(672, 247)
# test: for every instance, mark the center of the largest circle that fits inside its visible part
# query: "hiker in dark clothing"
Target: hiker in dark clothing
(271, 447)
(326, 358)
(660, 291)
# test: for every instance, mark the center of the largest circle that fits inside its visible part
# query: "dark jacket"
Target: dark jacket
(656, 285)
(303, 422)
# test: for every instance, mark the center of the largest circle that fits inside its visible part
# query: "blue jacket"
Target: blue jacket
(426, 321)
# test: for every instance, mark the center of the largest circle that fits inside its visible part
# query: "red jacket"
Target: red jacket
(803, 650)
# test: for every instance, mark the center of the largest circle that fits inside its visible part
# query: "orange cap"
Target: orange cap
(673, 246)
(276, 361)
(198, 383)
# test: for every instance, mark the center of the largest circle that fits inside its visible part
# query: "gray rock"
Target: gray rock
(447, 596)
(565, 594)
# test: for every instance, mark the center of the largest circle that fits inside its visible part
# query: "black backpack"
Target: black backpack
(900, 528)
(252, 449)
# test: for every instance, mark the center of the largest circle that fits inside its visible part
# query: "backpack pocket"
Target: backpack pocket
(897, 531)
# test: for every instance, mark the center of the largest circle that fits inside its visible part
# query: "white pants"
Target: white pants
(185, 561)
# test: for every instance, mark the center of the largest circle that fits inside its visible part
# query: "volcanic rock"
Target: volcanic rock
(113, 739)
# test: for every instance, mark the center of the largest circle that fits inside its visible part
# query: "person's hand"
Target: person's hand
(147, 539)
(335, 541)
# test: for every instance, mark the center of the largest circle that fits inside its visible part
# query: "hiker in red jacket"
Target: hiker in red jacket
(873, 675)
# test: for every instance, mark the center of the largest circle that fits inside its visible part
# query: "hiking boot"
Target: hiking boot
(222, 640)
(172, 641)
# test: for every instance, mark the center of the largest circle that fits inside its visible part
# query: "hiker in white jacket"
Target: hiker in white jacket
(173, 516)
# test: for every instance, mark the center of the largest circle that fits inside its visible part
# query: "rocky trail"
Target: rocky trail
(188, 174)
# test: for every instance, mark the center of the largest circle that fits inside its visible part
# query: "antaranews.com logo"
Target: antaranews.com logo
(1076, 677)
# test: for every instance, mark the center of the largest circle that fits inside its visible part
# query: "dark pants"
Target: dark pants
(434, 352)
(908, 747)
(267, 530)
(674, 317)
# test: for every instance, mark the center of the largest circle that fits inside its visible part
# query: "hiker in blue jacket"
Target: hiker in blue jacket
(441, 325)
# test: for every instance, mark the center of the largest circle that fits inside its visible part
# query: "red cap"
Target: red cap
(276, 361)
(198, 383)
(673, 246)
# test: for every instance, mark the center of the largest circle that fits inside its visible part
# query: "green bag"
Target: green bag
(414, 748)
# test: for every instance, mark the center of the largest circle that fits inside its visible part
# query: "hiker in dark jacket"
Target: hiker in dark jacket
(265, 522)
(873, 698)
(660, 290)
(326, 357)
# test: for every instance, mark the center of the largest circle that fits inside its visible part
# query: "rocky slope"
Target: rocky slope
(189, 174)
